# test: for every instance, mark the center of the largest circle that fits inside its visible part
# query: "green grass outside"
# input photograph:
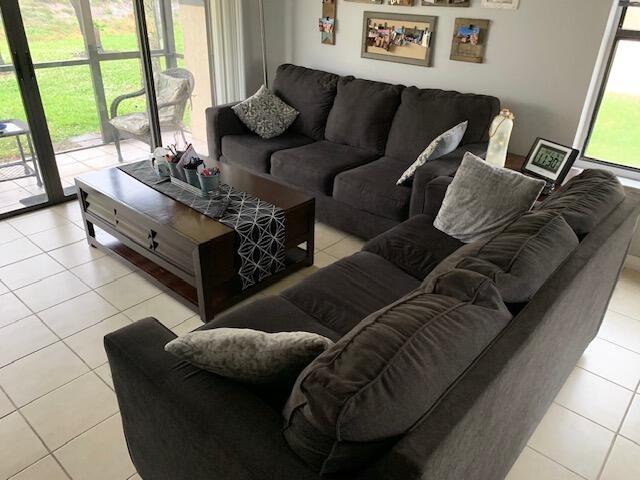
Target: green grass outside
(67, 92)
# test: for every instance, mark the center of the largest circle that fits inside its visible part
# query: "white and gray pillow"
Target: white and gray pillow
(248, 355)
(439, 147)
(266, 114)
(482, 200)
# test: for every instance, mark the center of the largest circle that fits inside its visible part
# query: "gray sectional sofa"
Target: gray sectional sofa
(352, 141)
(472, 390)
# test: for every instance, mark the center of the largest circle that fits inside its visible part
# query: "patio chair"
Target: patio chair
(173, 90)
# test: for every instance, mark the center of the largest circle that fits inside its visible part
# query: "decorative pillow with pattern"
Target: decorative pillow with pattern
(266, 114)
(441, 145)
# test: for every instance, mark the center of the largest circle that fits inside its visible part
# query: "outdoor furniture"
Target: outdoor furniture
(173, 90)
(15, 169)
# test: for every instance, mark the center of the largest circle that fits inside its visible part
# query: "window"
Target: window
(614, 135)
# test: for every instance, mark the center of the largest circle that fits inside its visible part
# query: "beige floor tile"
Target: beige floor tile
(71, 410)
(19, 446)
(533, 466)
(573, 441)
(593, 397)
(104, 372)
(3, 288)
(68, 210)
(621, 330)
(101, 271)
(631, 425)
(45, 469)
(612, 362)
(37, 222)
(88, 343)
(76, 254)
(325, 236)
(187, 326)
(31, 270)
(164, 308)
(17, 250)
(22, 338)
(136, 477)
(51, 291)
(625, 298)
(283, 284)
(58, 237)
(6, 407)
(99, 454)
(345, 247)
(129, 291)
(623, 462)
(12, 309)
(77, 314)
(322, 259)
(8, 233)
(41, 372)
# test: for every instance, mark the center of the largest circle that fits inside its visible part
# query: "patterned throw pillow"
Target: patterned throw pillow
(265, 114)
(442, 145)
(249, 355)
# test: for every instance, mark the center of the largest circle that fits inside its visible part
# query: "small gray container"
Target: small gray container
(177, 171)
(192, 177)
(210, 183)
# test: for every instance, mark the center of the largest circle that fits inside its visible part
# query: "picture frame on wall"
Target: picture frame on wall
(506, 4)
(376, 2)
(550, 161)
(401, 38)
(469, 40)
(401, 3)
(446, 3)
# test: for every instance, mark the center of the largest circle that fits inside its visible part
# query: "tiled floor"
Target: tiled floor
(58, 413)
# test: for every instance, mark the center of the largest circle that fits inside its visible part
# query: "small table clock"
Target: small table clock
(549, 161)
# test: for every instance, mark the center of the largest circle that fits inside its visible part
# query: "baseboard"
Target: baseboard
(632, 262)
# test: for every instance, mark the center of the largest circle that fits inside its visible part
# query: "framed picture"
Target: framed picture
(469, 40)
(446, 3)
(550, 161)
(405, 3)
(377, 2)
(398, 37)
(327, 26)
(509, 4)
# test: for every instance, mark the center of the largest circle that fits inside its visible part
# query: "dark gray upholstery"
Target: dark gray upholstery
(311, 93)
(372, 188)
(381, 378)
(586, 199)
(314, 166)
(414, 246)
(254, 153)
(426, 113)
(222, 121)
(345, 292)
(362, 114)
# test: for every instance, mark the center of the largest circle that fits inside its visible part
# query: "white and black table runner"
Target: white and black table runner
(260, 225)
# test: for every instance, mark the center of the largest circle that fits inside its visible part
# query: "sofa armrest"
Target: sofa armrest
(221, 121)
(183, 423)
(445, 166)
(434, 195)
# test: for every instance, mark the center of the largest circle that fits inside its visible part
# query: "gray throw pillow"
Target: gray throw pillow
(266, 114)
(483, 199)
(439, 147)
(249, 355)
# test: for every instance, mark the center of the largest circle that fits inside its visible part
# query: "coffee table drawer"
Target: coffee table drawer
(100, 206)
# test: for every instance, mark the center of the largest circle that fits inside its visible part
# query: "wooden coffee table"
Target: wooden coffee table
(191, 254)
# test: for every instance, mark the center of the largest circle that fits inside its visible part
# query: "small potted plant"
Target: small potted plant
(210, 179)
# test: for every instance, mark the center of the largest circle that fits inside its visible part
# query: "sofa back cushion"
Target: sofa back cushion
(383, 377)
(310, 92)
(586, 199)
(362, 114)
(426, 113)
(519, 259)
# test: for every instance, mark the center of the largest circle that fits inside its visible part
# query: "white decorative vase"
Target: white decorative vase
(499, 136)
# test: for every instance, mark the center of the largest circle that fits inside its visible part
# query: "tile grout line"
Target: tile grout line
(620, 346)
(555, 461)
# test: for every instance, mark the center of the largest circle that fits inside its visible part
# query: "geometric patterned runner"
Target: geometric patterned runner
(260, 225)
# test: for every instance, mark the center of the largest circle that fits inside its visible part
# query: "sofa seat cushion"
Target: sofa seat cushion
(362, 113)
(342, 294)
(314, 167)
(415, 246)
(253, 153)
(425, 113)
(520, 259)
(372, 187)
(311, 92)
(383, 377)
(586, 199)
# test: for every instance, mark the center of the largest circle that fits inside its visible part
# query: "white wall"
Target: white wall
(539, 58)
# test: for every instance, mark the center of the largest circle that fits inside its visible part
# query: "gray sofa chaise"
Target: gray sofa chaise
(182, 423)
(352, 141)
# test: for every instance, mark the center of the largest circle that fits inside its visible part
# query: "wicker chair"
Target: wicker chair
(173, 90)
